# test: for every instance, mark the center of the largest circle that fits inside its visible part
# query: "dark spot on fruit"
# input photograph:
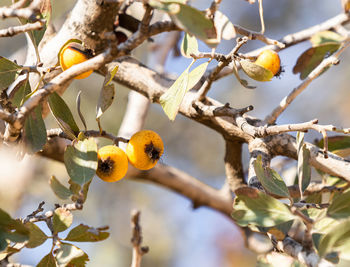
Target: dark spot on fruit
(106, 166)
(152, 152)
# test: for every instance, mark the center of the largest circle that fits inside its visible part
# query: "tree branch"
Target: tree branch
(233, 164)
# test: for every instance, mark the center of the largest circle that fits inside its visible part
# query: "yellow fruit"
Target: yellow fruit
(144, 149)
(270, 60)
(112, 163)
(72, 54)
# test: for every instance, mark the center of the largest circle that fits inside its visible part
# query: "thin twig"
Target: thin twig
(47, 215)
(29, 13)
(11, 31)
(136, 240)
(202, 92)
(57, 132)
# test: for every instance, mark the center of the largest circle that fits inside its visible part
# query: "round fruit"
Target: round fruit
(112, 163)
(270, 60)
(144, 149)
(72, 54)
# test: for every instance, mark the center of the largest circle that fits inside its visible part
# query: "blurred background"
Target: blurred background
(177, 235)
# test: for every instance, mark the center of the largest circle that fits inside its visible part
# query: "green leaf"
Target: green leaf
(35, 131)
(224, 27)
(77, 192)
(344, 250)
(61, 220)
(304, 168)
(8, 71)
(172, 98)
(256, 208)
(21, 90)
(336, 237)
(60, 190)
(36, 236)
(189, 45)
(339, 207)
(255, 71)
(45, 13)
(196, 74)
(62, 113)
(312, 57)
(47, 261)
(3, 242)
(105, 100)
(190, 19)
(326, 37)
(70, 255)
(243, 82)
(270, 179)
(339, 144)
(12, 229)
(81, 160)
(85, 233)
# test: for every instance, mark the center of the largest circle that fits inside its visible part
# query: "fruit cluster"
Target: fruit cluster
(143, 151)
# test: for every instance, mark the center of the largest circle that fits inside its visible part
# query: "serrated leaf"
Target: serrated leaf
(8, 71)
(81, 160)
(339, 207)
(172, 98)
(304, 168)
(62, 113)
(61, 220)
(189, 45)
(256, 208)
(85, 233)
(189, 19)
(312, 57)
(326, 37)
(47, 261)
(256, 72)
(105, 99)
(35, 131)
(70, 255)
(270, 179)
(36, 236)
(60, 190)
(335, 238)
(224, 27)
